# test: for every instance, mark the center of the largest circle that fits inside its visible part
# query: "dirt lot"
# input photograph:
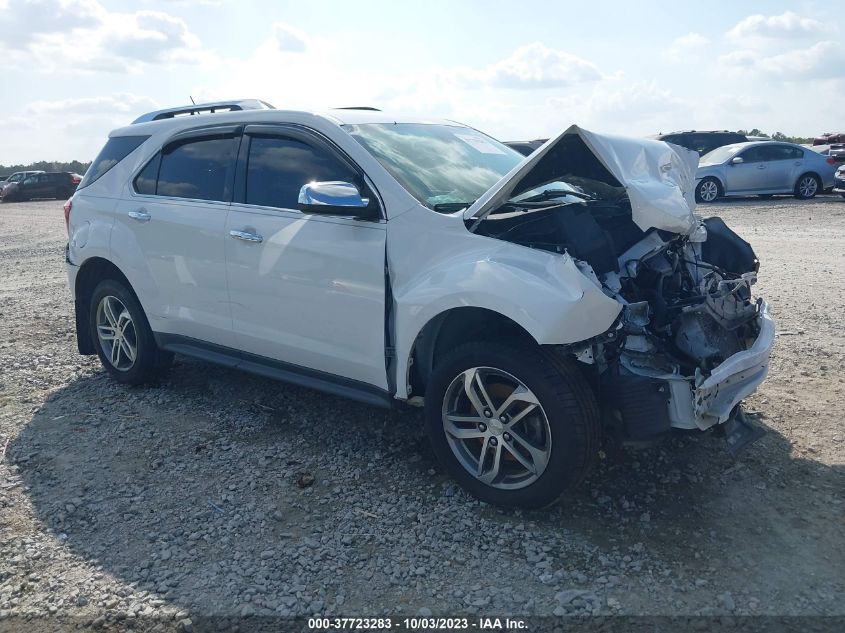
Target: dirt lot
(185, 499)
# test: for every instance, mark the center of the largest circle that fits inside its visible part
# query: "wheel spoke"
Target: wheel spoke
(128, 350)
(538, 456)
(451, 427)
(490, 476)
(519, 416)
(483, 391)
(106, 332)
(520, 394)
(482, 457)
(469, 389)
(115, 352)
(108, 311)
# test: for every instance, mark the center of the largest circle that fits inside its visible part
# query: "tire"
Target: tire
(708, 190)
(807, 186)
(114, 305)
(555, 430)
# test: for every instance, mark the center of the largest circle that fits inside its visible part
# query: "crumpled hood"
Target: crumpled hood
(659, 177)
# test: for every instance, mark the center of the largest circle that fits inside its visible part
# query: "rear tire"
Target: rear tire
(122, 335)
(807, 187)
(531, 450)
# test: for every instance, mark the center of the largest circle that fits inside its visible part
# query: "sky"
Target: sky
(76, 69)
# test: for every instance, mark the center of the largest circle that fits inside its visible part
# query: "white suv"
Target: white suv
(530, 304)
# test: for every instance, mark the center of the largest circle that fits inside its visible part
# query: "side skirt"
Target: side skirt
(278, 370)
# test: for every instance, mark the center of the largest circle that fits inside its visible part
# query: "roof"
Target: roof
(247, 110)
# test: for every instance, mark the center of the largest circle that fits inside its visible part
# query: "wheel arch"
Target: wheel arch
(452, 327)
(92, 272)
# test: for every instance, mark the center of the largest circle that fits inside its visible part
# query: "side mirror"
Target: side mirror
(334, 198)
(737, 160)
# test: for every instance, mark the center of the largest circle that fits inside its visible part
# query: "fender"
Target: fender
(543, 292)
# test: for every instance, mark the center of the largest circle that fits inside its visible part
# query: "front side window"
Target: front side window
(199, 169)
(437, 164)
(114, 151)
(277, 167)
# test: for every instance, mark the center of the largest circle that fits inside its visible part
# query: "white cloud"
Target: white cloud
(785, 26)
(822, 60)
(83, 35)
(690, 41)
(538, 66)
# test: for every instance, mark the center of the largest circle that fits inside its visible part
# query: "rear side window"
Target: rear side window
(200, 169)
(115, 150)
(277, 168)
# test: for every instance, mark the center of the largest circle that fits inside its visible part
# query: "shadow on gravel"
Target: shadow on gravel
(226, 493)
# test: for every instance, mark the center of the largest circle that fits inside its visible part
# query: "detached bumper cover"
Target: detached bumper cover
(737, 377)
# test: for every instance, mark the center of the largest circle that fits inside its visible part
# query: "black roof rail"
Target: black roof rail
(370, 108)
(203, 108)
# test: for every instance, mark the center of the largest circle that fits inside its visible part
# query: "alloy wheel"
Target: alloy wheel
(496, 428)
(708, 190)
(116, 333)
(807, 187)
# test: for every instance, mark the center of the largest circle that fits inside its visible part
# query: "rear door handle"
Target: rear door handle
(246, 236)
(140, 216)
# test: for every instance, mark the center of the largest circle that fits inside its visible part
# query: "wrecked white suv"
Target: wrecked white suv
(530, 304)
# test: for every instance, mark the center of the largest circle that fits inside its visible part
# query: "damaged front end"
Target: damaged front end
(691, 341)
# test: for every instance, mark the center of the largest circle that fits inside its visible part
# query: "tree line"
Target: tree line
(44, 165)
(779, 136)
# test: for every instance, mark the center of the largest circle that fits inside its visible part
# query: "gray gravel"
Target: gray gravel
(220, 493)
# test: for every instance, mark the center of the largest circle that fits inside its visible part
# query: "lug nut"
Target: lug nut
(504, 419)
(493, 441)
(488, 413)
(482, 427)
(507, 437)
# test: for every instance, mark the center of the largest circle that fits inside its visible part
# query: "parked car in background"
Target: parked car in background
(50, 184)
(762, 168)
(524, 302)
(839, 181)
(16, 178)
(4, 178)
(526, 147)
(703, 141)
(829, 137)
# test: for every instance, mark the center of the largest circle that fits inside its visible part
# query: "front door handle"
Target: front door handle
(246, 236)
(761, 166)
(140, 216)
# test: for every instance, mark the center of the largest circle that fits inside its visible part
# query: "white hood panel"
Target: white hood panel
(658, 177)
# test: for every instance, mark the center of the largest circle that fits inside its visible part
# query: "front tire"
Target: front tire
(807, 187)
(122, 336)
(708, 190)
(513, 426)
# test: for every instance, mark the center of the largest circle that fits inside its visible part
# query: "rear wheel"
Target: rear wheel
(512, 427)
(807, 187)
(708, 190)
(122, 335)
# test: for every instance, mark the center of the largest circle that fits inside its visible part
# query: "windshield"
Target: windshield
(442, 166)
(719, 155)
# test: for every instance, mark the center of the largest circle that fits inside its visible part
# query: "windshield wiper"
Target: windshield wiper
(555, 193)
(449, 207)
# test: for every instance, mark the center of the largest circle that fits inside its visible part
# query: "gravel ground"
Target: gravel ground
(220, 493)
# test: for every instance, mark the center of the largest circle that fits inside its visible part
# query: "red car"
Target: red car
(829, 137)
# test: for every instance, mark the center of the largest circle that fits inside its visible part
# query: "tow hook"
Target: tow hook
(740, 432)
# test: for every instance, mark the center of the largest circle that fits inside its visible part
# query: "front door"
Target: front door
(750, 175)
(306, 290)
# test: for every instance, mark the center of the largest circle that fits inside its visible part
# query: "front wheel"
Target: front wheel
(807, 187)
(512, 426)
(707, 190)
(122, 335)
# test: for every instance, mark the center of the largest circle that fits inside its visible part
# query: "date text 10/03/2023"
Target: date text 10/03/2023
(418, 624)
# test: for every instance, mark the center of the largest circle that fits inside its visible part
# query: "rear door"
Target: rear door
(307, 290)
(169, 235)
(785, 164)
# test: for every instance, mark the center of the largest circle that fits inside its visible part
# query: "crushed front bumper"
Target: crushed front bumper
(710, 400)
